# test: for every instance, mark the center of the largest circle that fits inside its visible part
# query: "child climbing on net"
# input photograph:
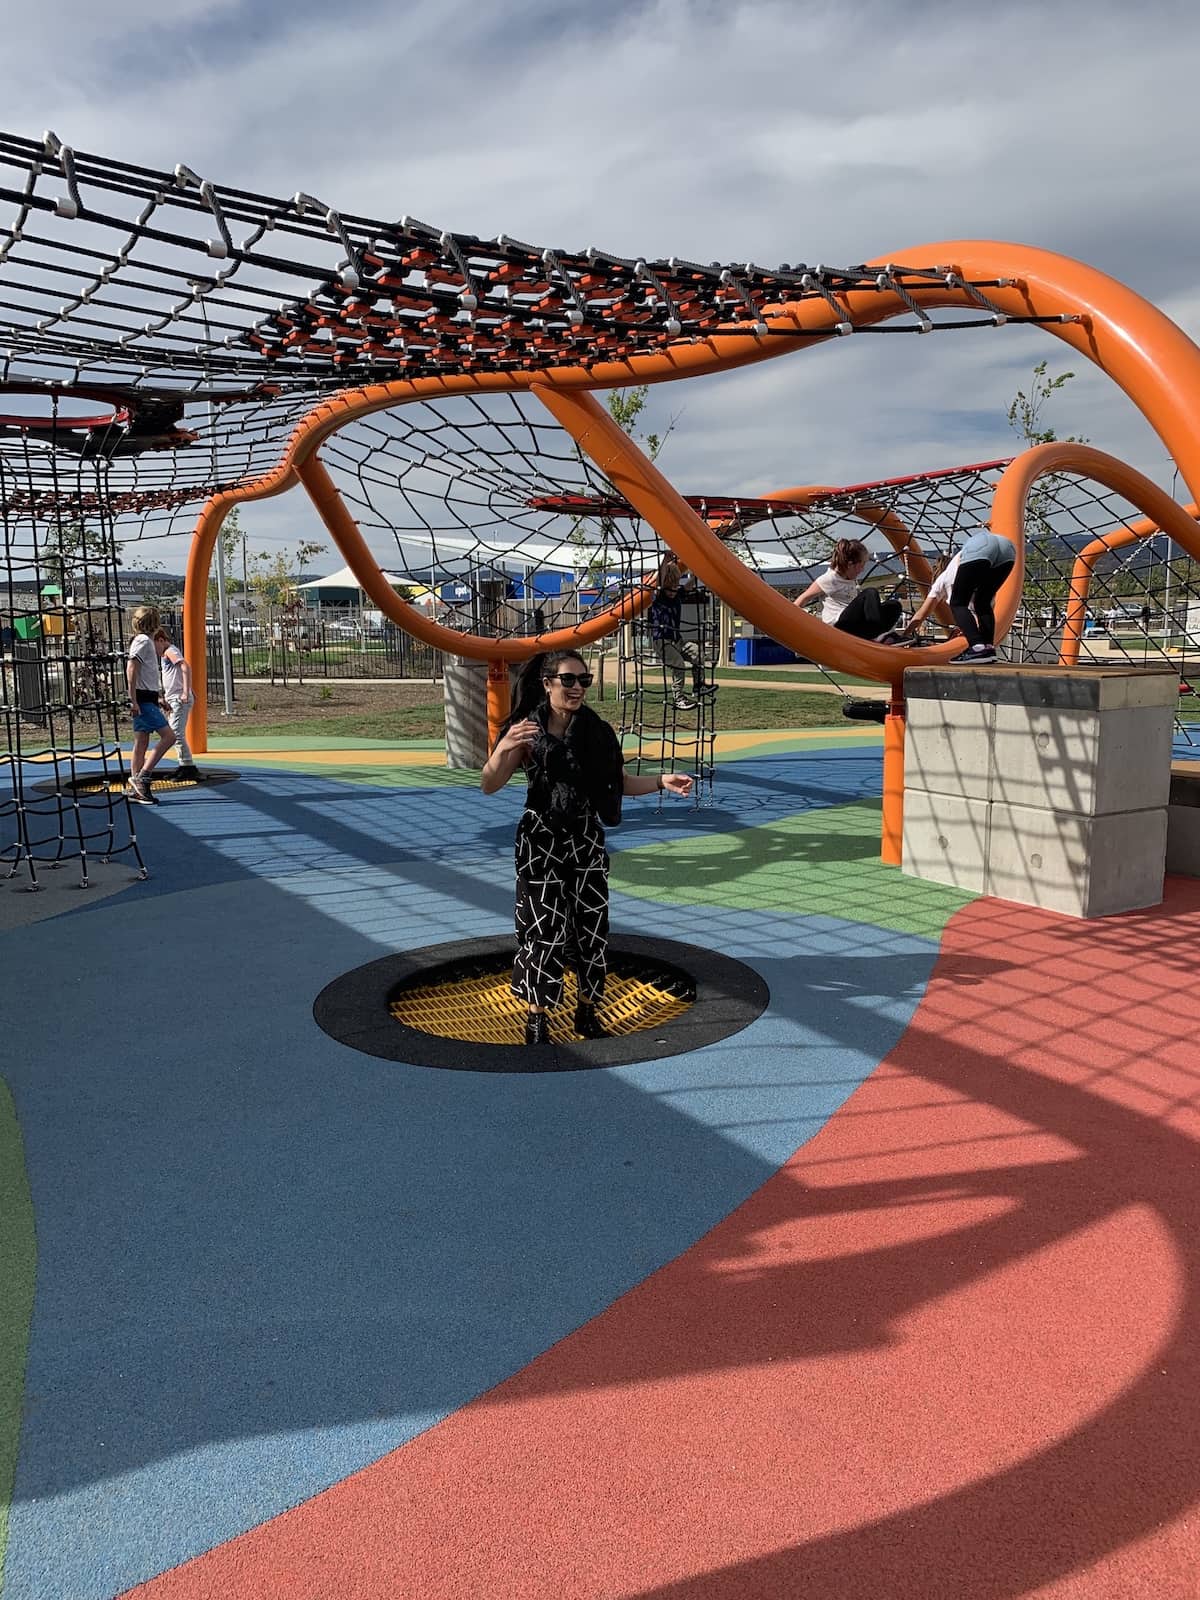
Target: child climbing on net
(969, 583)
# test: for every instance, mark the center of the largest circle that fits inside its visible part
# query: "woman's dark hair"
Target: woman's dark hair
(846, 552)
(531, 691)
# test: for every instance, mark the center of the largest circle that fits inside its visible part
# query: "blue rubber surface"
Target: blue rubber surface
(265, 1260)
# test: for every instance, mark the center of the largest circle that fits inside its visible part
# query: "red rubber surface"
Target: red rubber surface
(949, 1350)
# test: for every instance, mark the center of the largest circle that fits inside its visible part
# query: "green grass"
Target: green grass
(797, 675)
(751, 708)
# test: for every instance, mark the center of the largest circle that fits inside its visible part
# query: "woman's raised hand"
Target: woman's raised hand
(679, 783)
(518, 736)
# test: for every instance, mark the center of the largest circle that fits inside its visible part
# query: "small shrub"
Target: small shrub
(325, 692)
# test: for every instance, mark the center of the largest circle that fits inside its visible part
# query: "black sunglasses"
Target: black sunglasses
(570, 679)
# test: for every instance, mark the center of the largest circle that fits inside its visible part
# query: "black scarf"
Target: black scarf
(581, 772)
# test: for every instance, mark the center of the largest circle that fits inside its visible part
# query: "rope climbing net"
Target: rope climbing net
(1100, 587)
(62, 685)
(210, 320)
(192, 328)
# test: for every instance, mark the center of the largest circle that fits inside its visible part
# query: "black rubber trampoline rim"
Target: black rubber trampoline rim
(353, 1009)
(82, 785)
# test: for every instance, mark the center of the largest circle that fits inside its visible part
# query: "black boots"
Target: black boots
(587, 1023)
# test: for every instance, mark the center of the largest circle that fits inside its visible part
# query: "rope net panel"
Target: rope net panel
(213, 319)
(207, 321)
(62, 677)
(497, 525)
(1142, 597)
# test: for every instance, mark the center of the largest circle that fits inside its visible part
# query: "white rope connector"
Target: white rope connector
(64, 206)
(674, 327)
(349, 278)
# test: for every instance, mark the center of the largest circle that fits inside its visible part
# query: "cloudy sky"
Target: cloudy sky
(753, 130)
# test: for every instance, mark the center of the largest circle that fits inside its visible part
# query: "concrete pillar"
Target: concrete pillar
(465, 688)
(1183, 820)
(1047, 786)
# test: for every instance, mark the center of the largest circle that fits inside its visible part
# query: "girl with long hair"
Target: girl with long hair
(845, 604)
(576, 776)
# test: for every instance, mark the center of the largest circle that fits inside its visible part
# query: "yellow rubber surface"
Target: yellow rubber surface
(483, 1010)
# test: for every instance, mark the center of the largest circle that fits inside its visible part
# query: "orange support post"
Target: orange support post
(891, 849)
(499, 699)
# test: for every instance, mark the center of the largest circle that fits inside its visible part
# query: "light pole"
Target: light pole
(222, 596)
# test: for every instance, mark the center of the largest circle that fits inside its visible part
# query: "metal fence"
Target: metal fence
(285, 648)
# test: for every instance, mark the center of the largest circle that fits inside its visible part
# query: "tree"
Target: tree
(1026, 418)
(70, 549)
(625, 406)
(228, 545)
(305, 551)
(271, 578)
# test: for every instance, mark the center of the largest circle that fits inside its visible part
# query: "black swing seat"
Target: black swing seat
(864, 710)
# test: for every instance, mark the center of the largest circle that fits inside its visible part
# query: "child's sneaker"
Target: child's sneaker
(139, 791)
(977, 654)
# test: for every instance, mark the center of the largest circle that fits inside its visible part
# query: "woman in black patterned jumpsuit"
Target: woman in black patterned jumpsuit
(572, 759)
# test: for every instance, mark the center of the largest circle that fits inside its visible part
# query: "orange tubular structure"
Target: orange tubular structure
(1151, 359)
(1081, 575)
(1162, 514)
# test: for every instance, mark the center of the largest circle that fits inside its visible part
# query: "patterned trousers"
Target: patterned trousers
(562, 910)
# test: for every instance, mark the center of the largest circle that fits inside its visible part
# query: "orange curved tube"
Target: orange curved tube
(639, 481)
(195, 593)
(1163, 513)
(343, 529)
(1081, 577)
(1156, 364)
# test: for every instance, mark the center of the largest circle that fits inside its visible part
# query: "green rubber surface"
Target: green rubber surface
(825, 860)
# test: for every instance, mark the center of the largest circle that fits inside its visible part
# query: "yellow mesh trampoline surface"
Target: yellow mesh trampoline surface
(481, 1009)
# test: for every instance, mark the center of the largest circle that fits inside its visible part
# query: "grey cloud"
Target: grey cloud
(733, 131)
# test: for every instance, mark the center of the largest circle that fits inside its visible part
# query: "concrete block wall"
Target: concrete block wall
(465, 688)
(1044, 785)
(1183, 820)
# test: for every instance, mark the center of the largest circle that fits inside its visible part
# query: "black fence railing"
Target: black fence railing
(288, 649)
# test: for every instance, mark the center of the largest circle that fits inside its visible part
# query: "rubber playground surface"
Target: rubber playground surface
(893, 1295)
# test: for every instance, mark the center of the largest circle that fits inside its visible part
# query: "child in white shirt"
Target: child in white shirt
(180, 698)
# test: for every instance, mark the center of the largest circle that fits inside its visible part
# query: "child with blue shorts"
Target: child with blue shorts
(145, 687)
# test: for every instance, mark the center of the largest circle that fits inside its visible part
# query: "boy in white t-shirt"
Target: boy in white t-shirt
(177, 690)
(145, 687)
